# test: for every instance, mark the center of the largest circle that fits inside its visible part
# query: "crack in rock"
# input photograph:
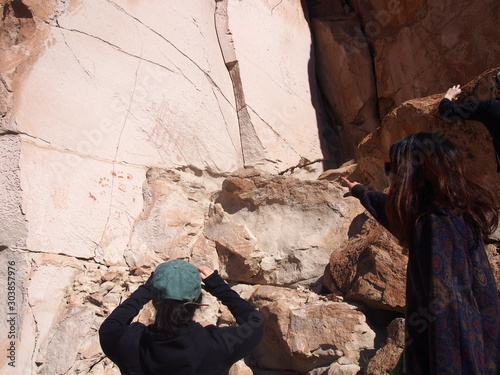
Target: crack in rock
(251, 146)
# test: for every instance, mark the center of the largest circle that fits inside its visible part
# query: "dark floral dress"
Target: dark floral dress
(452, 301)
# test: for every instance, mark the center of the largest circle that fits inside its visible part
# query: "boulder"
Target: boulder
(278, 230)
(387, 357)
(305, 331)
(370, 268)
(422, 115)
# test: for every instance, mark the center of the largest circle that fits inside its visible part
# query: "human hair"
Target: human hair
(429, 170)
(173, 314)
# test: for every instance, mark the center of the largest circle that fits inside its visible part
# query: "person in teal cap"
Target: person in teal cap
(175, 343)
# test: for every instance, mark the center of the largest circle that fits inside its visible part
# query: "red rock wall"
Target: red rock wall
(407, 49)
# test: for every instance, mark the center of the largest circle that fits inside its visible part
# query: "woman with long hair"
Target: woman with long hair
(175, 344)
(441, 216)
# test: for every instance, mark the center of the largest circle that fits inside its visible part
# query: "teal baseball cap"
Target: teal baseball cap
(178, 280)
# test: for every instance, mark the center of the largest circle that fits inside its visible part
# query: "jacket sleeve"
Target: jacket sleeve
(240, 340)
(473, 111)
(113, 327)
(373, 201)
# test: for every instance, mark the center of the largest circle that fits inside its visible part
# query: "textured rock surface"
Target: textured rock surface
(393, 51)
(387, 357)
(118, 123)
(370, 268)
(122, 124)
(330, 332)
(12, 220)
(346, 76)
(422, 115)
(278, 230)
(435, 36)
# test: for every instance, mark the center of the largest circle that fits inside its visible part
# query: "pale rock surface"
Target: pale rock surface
(118, 122)
(305, 331)
(12, 220)
(130, 114)
(40, 280)
(78, 206)
(278, 230)
(171, 223)
(344, 170)
(240, 368)
(279, 117)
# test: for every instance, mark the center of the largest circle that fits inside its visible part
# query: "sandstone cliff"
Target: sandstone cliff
(136, 132)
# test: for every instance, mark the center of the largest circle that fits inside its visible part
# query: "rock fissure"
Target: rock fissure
(114, 46)
(76, 57)
(214, 84)
(224, 117)
(4, 83)
(275, 6)
(163, 38)
(251, 146)
(302, 164)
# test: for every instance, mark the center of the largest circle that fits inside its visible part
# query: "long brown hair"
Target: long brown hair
(429, 170)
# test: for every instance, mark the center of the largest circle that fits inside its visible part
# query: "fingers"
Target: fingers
(345, 181)
(453, 92)
(204, 271)
(349, 184)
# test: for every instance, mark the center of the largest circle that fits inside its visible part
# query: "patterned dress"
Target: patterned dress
(452, 301)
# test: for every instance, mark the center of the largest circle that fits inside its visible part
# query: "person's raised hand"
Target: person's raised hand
(453, 92)
(204, 271)
(349, 184)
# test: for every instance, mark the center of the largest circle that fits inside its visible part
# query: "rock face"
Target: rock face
(117, 112)
(375, 55)
(383, 362)
(331, 332)
(136, 132)
(308, 218)
(370, 268)
(418, 30)
(422, 115)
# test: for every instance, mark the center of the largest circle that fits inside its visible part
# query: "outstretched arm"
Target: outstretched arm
(113, 327)
(240, 340)
(372, 200)
(473, 111)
